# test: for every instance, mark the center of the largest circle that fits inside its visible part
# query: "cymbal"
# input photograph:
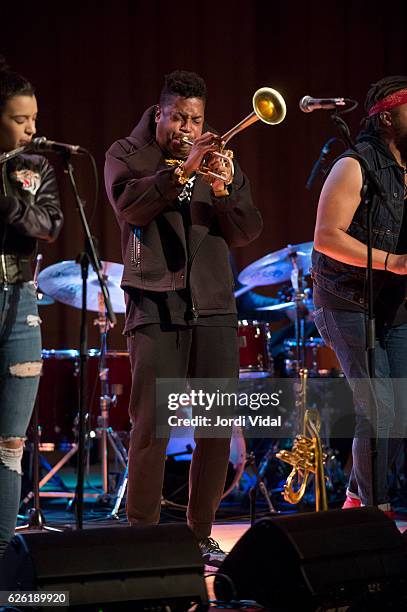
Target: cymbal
(63, 282)
(277, 267)
(309, 304)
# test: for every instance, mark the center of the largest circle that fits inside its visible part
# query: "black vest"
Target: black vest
(349, 282)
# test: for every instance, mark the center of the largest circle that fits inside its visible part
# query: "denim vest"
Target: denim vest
(347, 281)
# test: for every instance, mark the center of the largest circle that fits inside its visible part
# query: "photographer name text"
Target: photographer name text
(219, 421)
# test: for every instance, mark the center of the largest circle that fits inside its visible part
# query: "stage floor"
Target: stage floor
(233, 516)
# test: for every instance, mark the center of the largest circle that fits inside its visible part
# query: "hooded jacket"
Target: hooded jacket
(157, 252)
(29, 210)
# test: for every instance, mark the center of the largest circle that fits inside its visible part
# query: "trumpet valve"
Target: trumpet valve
(302, 454)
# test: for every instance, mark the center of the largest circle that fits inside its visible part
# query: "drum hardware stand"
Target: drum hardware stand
(105, 433)
(260, 485)
(121, 491)
(52, 471)
(124, 480)
(36, 519)
(297, 282)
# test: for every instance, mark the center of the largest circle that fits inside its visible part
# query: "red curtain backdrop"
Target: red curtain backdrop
(98, 65)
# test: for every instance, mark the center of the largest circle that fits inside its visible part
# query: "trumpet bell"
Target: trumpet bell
(269, 105)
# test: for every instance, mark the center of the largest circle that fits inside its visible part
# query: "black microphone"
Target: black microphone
(318, 164)
(41, 143)
(308, 104)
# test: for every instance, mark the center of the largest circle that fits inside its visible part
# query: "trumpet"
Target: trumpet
(268, 106)
(306, 456)
(226, 156)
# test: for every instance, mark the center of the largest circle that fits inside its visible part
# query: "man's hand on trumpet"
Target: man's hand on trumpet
(201, 146)
(219, 166)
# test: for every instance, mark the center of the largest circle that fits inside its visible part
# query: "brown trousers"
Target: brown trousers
(197, 352)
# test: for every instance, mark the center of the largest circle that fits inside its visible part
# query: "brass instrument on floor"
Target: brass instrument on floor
(268, 106)
(306, 455)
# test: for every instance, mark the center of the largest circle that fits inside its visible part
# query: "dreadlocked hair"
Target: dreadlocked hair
(184, 84)
(377, 92)
(12, 84)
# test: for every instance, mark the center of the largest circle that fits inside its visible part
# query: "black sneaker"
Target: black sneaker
(211, 552)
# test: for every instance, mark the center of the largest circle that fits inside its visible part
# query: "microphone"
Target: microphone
(41, 143)
(308, 104)
(318, 164)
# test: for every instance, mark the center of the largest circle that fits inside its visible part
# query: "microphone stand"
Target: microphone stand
(10, 154)
(318, 165)
(371, 188)
(88, 256)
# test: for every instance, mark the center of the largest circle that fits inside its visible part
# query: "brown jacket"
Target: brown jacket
(156, 257)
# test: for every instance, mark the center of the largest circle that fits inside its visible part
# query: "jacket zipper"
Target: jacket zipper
(136, 247)
(3, 258)
(194, 310)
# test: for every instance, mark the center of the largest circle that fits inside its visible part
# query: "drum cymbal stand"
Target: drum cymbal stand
(121, 490)
(260, 485)
(297, 282)
(105, 433)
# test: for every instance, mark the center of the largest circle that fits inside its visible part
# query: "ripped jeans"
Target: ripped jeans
(20, 368)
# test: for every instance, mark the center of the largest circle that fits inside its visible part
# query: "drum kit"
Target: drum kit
(108, 371)
(288, 265)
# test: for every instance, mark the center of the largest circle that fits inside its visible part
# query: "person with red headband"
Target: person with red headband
(340, 290)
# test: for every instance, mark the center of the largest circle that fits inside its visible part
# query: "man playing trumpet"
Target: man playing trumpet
(177, 227)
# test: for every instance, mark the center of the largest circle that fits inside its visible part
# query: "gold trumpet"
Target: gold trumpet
(268, 106)
(306, 456)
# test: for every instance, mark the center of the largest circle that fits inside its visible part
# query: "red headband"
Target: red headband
(391, 101)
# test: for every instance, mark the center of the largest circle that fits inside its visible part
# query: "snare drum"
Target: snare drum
(255, 359)
(320, 359)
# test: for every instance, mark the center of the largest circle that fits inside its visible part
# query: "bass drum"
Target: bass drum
(58, 395)
(57, 399)
(179, 452)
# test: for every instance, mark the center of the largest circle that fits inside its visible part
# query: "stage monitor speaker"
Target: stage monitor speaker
(304, 562)
(157, 567)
